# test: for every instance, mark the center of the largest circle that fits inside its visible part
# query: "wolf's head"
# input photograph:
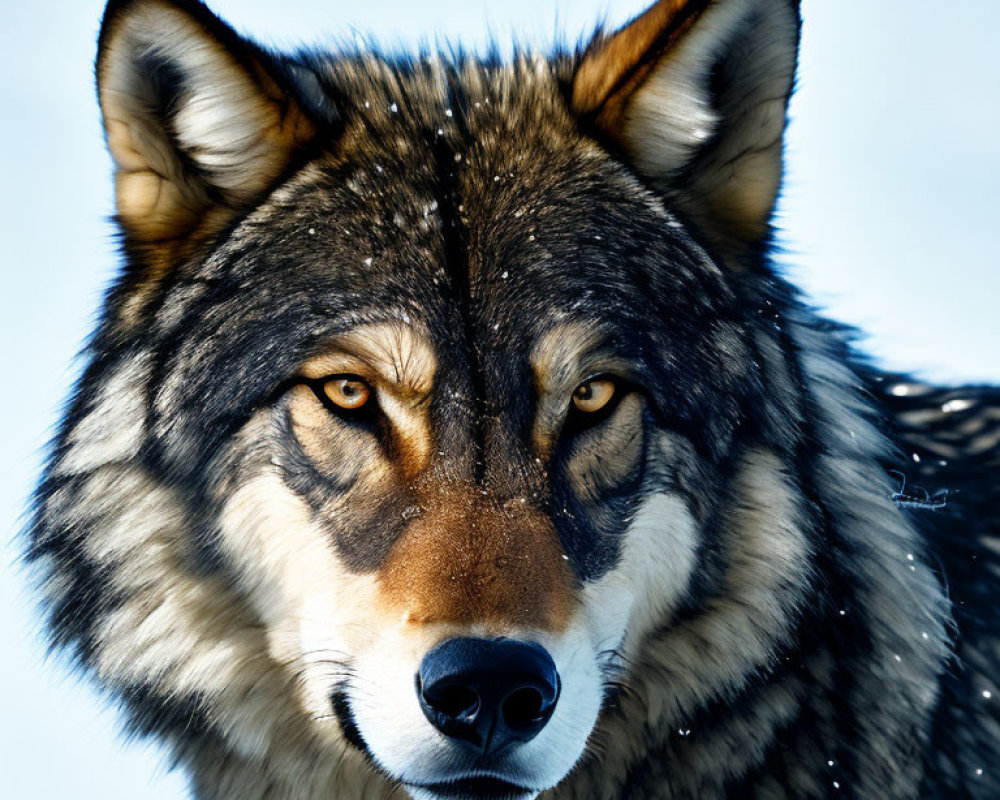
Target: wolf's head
(432, 393)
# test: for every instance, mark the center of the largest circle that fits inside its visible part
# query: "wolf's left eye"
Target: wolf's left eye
(348, 392)
(593, 395)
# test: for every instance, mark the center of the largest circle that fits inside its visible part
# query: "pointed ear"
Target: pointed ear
(695, 93)
(198, 122)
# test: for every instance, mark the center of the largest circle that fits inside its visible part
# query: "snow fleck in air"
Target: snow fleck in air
(898, 658)
(367, 104)
(448, 113)
(836, 785)
(598, 238)
(368, 261)
(843, 613)
(531, 238)
(393, 108)
(505, 275)
(479, 105)
(565, 557)
(496, 326)
(440, 131)
(829, 763)
(916, 457)
(956, 405)
(987, 694)
(458, 157)
(979, 772)
(496, 179)
(924, 635)
(312, 231)
(900, 390)
(909, 556)
(378, 168)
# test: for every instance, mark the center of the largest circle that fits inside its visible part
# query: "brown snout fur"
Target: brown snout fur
(469, 559)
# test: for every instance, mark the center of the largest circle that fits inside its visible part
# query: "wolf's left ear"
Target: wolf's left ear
(198, 120)
(695, 93)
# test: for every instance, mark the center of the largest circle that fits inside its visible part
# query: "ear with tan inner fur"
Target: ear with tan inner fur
(197, 122)
(696, 93)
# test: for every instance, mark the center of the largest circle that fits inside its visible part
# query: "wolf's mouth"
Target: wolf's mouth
(482, 788)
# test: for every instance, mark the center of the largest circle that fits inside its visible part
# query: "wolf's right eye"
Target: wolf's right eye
(347, 392)
(593, 395)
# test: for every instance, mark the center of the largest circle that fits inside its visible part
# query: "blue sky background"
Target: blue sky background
(890, 210)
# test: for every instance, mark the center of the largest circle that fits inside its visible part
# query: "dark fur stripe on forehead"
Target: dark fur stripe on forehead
(456, 266)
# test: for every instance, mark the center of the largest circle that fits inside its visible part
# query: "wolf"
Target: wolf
(449, 434)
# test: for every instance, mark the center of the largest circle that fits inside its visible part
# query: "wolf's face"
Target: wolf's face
(446, 453)
(443, 372)
(476, 436)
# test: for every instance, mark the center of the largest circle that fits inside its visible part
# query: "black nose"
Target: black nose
(488, 694)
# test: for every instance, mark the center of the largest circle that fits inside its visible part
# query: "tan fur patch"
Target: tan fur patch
(393, 352)
(466, 560)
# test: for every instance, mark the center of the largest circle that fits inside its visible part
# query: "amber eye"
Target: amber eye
(347, 391)
(593, 395)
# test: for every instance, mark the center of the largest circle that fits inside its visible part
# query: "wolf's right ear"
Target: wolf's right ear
(198, 122)
(695, 95)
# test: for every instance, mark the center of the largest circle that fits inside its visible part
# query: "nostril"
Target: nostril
(454, 700)
(523, 708)
(488, 694)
